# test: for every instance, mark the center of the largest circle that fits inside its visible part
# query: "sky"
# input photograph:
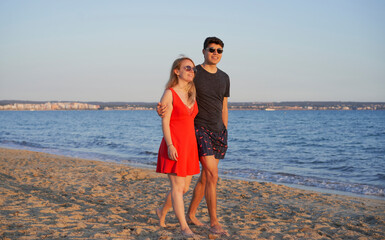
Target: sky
(275, 50)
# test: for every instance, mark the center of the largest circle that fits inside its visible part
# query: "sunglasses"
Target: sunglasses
(189, 69)
(212, 50)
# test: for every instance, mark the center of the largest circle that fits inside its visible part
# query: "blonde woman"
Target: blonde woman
(178, 152)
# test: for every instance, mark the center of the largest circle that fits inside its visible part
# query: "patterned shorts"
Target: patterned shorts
(211, 143)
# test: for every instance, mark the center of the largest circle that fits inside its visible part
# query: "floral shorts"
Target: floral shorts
(211, 143)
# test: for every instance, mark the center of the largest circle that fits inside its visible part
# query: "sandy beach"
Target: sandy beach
(44, 196)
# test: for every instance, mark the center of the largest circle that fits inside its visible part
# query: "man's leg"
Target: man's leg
(210, 167)
(198, 194)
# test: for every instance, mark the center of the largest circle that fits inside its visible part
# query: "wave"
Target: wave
(342, 168)
(22, 144)
(149, 153)
(288, 178)
(380, 176)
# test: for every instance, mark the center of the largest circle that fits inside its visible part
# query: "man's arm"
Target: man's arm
(161, 109)
(225, 112)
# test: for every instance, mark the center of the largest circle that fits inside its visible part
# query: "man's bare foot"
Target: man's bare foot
(162, 218)
(217, 229)
(195, 221)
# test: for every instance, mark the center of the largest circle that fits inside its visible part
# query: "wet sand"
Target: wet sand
(44, 196)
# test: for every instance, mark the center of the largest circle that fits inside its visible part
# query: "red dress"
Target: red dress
(184, 140)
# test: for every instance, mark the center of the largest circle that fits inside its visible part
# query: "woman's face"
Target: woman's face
(186, 71)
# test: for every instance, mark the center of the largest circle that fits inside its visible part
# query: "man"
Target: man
(213, 89)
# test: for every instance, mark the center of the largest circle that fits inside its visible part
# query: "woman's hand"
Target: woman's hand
(172, 153)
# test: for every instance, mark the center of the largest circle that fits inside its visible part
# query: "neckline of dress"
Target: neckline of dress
(189, 108)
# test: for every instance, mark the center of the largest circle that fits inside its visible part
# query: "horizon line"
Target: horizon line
(292, 101)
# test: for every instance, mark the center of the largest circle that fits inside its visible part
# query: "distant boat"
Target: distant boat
(269, 109)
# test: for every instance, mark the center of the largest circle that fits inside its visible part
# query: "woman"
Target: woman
(178, 152)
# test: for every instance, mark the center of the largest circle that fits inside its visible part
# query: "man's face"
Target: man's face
(212, 57)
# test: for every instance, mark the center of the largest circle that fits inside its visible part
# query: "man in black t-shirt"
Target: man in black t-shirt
(213, 89)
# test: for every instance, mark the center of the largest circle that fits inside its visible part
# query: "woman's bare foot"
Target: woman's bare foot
(162, 217)
(188, 233)
(195, 221)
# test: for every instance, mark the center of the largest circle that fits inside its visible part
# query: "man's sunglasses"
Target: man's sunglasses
(212, 50)
(189, 69)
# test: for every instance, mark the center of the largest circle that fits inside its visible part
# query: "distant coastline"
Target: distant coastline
(19, 105)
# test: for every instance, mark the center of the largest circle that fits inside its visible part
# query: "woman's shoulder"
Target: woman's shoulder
(167, 96)
(169, 91)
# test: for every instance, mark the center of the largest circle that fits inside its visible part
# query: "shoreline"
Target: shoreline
(310, 188)
(221, 175)
(56, 197)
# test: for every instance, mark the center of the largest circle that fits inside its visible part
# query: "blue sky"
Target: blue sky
(92, 50)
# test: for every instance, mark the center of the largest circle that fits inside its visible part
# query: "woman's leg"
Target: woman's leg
(178, 185)
(187, 184)
(162, 211)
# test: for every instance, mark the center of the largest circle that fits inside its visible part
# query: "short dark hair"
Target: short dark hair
(212, 40)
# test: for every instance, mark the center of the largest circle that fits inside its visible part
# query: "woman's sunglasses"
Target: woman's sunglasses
(189, 69)
(212, 50)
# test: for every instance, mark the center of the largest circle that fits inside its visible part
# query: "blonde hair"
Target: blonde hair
(173, 80)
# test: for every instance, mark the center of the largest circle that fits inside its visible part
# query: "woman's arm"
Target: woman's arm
(167, 101)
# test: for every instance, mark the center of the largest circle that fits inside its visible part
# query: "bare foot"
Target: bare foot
(217, 229)
(162, 218)
(187, 233)
(194, 220)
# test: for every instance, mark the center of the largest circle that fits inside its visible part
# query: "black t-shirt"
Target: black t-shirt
(211, 89)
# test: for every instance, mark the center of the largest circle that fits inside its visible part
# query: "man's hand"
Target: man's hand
(161, 109)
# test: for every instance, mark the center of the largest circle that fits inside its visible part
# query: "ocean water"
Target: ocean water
(329, 150)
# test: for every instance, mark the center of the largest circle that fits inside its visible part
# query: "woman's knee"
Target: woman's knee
(178, 188)
(185, 189)
(177, 184)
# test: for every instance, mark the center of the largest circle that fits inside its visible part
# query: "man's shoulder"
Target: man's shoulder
(221, 72)
(202, 71)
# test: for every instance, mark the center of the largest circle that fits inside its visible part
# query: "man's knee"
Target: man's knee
(210, 169)
(203, 178)
(211, 175)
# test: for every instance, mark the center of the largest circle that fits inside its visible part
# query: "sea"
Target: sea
(329, 151)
